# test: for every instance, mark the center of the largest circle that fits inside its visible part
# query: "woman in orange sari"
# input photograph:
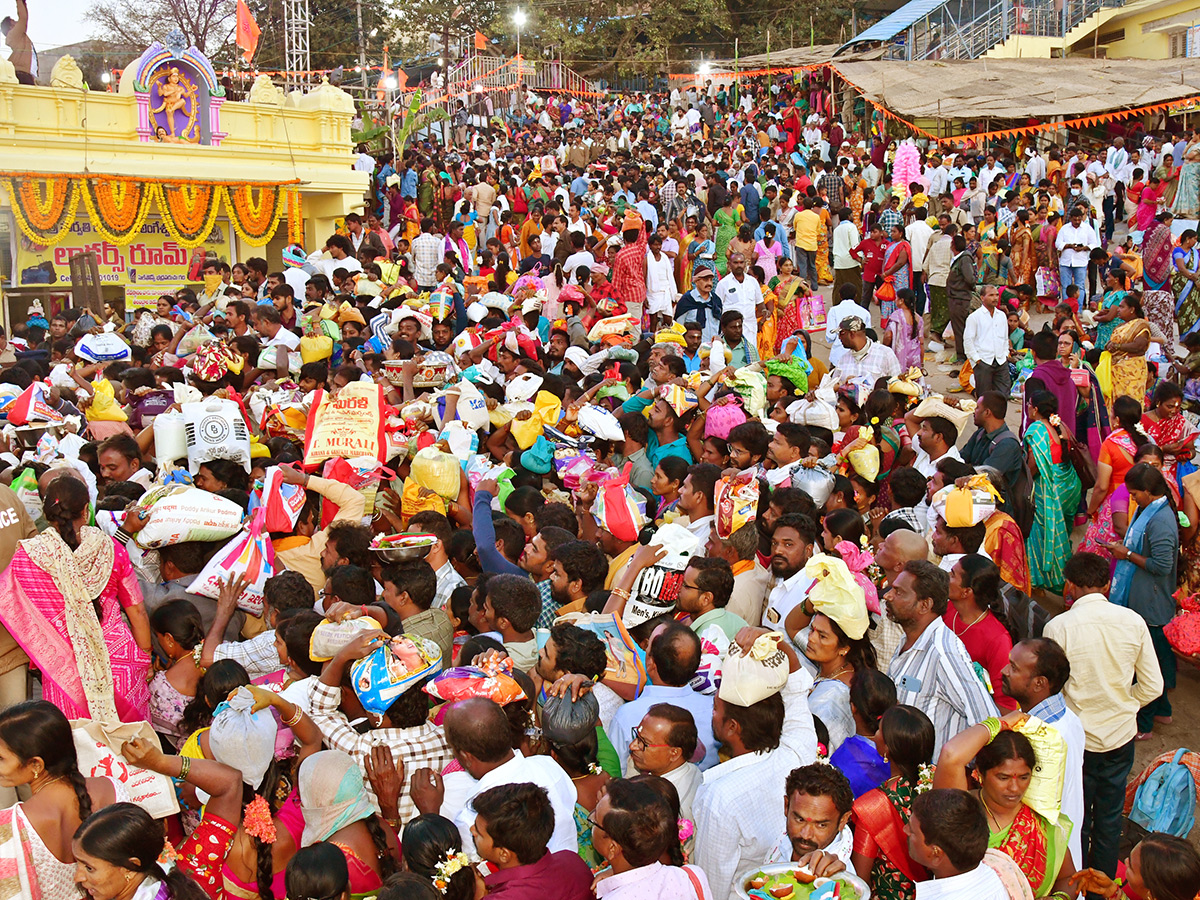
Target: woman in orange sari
(905, 739)
(1022, 252)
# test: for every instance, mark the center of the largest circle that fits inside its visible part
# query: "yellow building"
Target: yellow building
(299, 143)
(1142, 29)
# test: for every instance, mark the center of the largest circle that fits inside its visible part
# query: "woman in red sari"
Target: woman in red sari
(1003, 763)
(905, 739)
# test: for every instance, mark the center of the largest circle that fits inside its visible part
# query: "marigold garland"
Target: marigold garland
(119, 208)
(189, 211)
(254, 222)
(295, 217)
(44, 207)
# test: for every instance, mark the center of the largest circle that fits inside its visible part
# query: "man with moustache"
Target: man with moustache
(792, 542)
(817, 800)
(897, 549)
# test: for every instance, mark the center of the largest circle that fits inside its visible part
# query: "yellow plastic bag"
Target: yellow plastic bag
(316, 347)
(526, 431)
(437, 470)
(411, 501)
(548, 407)
(104, 407)
(1104, 374)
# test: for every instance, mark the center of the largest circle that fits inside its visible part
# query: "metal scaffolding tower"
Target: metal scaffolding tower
(295, 37)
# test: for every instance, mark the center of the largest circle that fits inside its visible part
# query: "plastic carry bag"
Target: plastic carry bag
(282, 502)
(216, 430)
(381, 677)
(438, 471)
(625, 664)
(250, 554)
(330, 637)
(492, 681)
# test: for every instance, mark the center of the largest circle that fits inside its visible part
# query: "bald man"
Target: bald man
(897, 549)
(481, 738)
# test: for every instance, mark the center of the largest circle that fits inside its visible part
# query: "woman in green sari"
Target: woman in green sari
(1106, 315)
(1005, 764)
(727, 218)
(1056, 492)
(990, 233)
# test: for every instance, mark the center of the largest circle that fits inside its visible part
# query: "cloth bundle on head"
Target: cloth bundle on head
(242, 738)
(736, 503)
(908, 383)
(934, 405)
(632, 220)
(213, 360)
(348, 312)
(967, 506)
(670, 335)
(680, 399)
(618, 508)
(722, 418)
(751, 386)
(294, 256)
(538, 457)
(791, 369)
(836, 594)
(858, 561)
(332, 795)
(1044, 794)
(748, 678)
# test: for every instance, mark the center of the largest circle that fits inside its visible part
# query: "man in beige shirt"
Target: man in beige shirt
(1107, 645)
(751, 582)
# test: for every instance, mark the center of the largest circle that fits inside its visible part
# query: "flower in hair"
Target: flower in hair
(445, 869)
(169, 854)
(924, 778)
(874, 420)
(257, 820)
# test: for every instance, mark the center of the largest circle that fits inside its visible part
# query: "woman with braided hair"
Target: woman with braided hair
(65, 591)
(36, 750)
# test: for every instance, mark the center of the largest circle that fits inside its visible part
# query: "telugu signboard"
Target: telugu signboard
(152, 258)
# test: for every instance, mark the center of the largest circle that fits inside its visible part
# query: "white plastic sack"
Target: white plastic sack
(170, 439)
(102, 348)
(471, 408)
(215, 430)
(179, 514)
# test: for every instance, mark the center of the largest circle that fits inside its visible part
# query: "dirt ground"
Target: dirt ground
(1184, 731)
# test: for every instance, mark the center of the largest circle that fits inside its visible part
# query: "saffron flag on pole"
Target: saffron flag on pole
(247, 31)
(480, 41)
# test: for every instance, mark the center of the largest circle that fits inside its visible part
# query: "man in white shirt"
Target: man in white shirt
(793, 540)
(1075, 242)
(479, 734)
(846, 307)
(989, 172)
(818, 798)
(1035, 167)
(738, 291)
(948, 835)
(735, 826)
(985, 342)
(937, 437)
(919, 234)
(845, 267)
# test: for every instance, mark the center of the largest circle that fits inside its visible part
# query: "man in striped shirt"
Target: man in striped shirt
(931, 669)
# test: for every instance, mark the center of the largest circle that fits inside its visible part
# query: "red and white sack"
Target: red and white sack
(250, 554)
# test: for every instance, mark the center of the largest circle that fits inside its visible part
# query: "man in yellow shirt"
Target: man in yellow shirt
(807, 225)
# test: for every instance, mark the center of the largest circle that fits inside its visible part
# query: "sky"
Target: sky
(53, 23)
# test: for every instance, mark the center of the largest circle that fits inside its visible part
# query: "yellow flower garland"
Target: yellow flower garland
(295, 217)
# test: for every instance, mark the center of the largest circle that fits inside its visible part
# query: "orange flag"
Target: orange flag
(480, 41)
(247, 30)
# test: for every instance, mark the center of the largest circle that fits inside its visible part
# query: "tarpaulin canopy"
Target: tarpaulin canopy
(795, 57)
(1020, 88)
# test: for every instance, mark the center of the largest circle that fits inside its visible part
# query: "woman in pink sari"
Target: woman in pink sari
(64, 594)
(1147, 207)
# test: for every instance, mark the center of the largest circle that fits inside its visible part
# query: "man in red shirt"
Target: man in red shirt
(869, 252)
(629, 267)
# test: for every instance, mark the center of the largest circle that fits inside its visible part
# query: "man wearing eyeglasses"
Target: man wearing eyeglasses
(663, 744)
(671, 663)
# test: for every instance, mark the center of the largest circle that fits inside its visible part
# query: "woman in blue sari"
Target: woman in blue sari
(1056, 492)
(1145, 577)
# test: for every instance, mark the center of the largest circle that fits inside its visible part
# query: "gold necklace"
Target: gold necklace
(34, 790)
(989, 811)
(969, 627)
(834, 676)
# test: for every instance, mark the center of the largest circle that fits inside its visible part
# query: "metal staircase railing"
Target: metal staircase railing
(940, 35)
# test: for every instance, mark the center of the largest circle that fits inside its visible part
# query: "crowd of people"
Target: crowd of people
(616, 556)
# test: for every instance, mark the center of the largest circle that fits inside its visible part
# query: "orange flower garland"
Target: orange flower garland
(190, 209)
(295, 217)
(118, 208)
(255, 221)
(44, 207)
